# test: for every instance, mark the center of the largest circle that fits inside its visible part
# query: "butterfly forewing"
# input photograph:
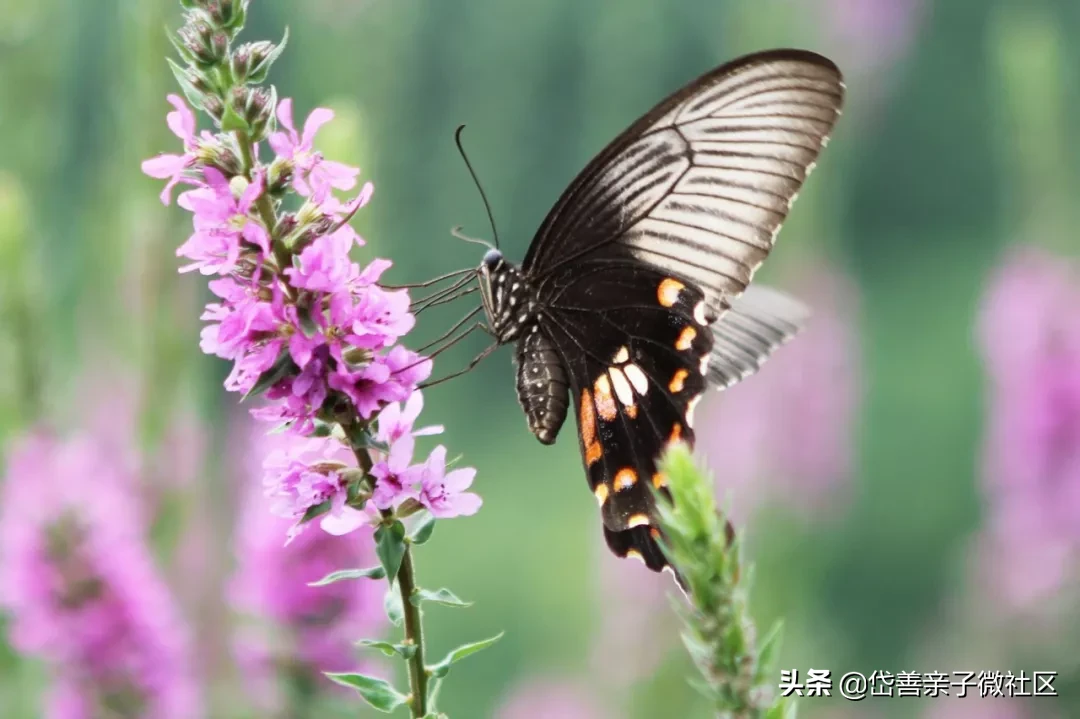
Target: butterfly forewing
(700, 186)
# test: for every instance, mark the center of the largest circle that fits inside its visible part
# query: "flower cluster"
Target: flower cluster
(1030, 343)
(82, 589)
(304, 325)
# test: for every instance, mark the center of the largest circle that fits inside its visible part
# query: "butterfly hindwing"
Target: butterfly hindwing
(636, 347)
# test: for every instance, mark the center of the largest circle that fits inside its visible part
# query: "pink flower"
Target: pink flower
(81, 587)
(314, 176)
(789, 431)
(550, 699)
(396, 423)
(222, 223)
(444, 494)
(395, 480)
(390, 377)
(324, 265)
(380, 317)
(169, 166)
(1030, 343)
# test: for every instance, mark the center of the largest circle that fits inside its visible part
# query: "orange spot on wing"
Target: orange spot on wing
(686, 338)
(637, 520)
(654, 533)
(601, 493)
(631, 411)
(678, 381)
(668, 292)
(625, 479)
(676, 433)
(659, 480)
(587, 419)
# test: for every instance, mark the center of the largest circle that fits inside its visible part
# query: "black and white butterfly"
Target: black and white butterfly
(634, 295)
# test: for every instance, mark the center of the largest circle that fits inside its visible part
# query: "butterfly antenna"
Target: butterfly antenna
(476, 181)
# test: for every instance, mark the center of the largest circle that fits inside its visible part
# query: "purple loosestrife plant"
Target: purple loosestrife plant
(82, 590)
(308, 329)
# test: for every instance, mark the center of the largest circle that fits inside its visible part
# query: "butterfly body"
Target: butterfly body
(634, 295)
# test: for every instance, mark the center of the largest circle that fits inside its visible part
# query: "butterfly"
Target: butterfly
(635, 295)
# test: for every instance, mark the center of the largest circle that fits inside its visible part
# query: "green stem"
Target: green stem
(414, 630)
(413, 635)
(263, 204)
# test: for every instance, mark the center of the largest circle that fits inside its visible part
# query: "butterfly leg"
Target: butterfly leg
(468, 368)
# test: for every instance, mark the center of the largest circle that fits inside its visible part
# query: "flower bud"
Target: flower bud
(255, 107)
(225, 14)
(217, 154)
(280, 175)
(252, 60)
(214, 107)
(202, 43)
(285, 225)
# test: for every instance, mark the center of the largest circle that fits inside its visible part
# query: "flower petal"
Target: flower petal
(318, 117)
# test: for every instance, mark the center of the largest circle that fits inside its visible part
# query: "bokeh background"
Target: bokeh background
(906, 473)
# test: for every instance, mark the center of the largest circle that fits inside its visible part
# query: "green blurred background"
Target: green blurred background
(955, 144)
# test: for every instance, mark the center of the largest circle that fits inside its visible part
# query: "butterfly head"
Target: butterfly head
(509, 302)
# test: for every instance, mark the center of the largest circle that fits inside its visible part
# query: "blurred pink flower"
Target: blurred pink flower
(1029, 337)
(550, 699)
(294, 631)
(630, 598)
(396, 422)
(866, 35)
(786, 433)
(81, 587)
(976, 707)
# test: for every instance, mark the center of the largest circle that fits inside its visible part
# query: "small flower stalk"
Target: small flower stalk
(719, 633)
(309, 330)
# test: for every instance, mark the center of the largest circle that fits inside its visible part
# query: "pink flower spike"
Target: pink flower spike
(444, 494)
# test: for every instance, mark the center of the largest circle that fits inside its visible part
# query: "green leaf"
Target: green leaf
(770, 646)
(786, 708)
(439, 596)
(342, 574)
(376, 692)
(281, 367)
(194, 97)
(392, 605)
(258, 74)
(406, 651)
(390, 547)
(231, 121)
(360, 438)
(456, 655)
(316, 510)
(423, 530)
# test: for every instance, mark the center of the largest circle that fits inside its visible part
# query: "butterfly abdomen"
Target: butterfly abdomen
(542, 385)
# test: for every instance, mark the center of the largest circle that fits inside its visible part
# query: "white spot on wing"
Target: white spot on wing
(637, 378)
(622, 355)
(621, 387)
